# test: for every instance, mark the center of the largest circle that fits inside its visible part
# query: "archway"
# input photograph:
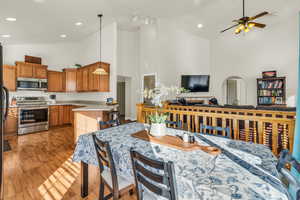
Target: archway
(234, 91)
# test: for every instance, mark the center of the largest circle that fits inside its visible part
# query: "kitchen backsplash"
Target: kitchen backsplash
(88, 96)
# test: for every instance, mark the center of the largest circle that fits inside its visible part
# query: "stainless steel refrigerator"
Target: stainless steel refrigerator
(4, 100)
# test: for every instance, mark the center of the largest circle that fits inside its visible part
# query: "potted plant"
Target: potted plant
(159, 95)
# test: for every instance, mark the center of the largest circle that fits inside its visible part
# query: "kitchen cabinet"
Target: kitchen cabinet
(40, 71)
(11, 123)
(85, 80)
(60, 115)
(55, 81)
(53, 116)
(69, 79)
(31, 70)
(10, 77)
(79, 80)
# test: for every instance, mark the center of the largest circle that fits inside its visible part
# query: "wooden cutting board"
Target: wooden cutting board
(175, 142)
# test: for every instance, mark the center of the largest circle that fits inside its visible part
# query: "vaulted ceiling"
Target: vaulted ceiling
(43, 21)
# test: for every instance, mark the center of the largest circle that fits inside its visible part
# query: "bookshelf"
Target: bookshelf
(271, 91)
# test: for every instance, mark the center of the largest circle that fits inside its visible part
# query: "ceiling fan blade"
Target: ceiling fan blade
(259, 15)
(237, 21)
(229, 28)
(258, 25)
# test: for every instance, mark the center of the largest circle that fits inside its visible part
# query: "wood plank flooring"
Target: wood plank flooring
(39, 167)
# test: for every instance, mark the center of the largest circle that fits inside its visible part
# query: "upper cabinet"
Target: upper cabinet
(55, 81)
(69, 79)
(10, 77)
(87, 81)
(31, 70)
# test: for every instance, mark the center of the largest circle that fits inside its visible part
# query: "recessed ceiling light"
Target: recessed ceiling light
(78, 23)
(200, 25)
(10, 19)
(63, 35)
(6, 36)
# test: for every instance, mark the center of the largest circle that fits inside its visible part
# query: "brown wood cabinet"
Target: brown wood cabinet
(55, 81)
(69, 79)
(40, 71)
(10, 77)
(85, 79)
(60, 115)
(79, 80)
(11, 123)
(31, 70)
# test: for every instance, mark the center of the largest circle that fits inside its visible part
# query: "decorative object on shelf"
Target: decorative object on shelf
(245, 24)
(269, 74)
(78, 65)
(100, 70)
(159, 95)
(271, 91)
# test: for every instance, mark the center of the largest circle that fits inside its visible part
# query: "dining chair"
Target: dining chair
(216, 128)
(117, 184)
(107, 124)
(286, 159)
(162, 184)
(171, 124)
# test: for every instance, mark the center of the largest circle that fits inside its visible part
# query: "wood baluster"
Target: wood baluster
(291, 129)
(260, 132)
(182, 122)
(285, 136)
(214, 123)
(197, 129)
(275, 138)
(224, 126)
(235, 129)
(247, 130)
(204, 123)
(188, 118)
(254, 132)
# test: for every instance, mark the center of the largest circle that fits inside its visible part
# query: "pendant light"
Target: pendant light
(100, 70)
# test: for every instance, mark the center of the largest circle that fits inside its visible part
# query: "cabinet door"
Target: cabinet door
(11, 123)
(70, 80)
(85, 79)
(79, 80)
(24, 70)
(40, 72)
(61, 115)
(55, 81)
(54, 116)
(10, 77)
(103, 86)
(66, 114)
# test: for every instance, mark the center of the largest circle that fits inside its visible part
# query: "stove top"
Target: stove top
(31, 101)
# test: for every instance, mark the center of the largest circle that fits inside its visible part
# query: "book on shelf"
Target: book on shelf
(270, 100)
(277, 92)
(267, 84)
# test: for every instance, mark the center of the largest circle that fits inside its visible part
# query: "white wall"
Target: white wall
(171, 52)
(128, 69)
(246, 56)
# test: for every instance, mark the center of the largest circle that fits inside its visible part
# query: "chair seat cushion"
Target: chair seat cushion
(122, 181)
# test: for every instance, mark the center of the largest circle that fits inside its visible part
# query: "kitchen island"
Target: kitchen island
(86, 114)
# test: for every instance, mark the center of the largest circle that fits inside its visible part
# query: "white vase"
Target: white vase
(158, 130)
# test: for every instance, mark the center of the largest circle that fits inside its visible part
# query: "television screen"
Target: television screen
(195, 83)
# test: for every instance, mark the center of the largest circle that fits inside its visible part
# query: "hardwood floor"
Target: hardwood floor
(39, 167)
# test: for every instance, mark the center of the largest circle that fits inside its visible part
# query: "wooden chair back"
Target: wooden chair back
(143, 175)
(215, 129)
(286, 159)
(108, 124)
(105, 159)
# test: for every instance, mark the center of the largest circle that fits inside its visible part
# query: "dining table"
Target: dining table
(243, 170)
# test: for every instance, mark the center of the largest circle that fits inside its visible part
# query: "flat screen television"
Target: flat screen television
(195, 83)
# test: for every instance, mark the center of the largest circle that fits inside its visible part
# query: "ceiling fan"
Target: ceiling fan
(246, 23)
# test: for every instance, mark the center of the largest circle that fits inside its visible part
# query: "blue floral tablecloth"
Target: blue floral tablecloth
(242, 171)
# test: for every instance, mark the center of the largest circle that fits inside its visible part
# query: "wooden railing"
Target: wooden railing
(274, 129)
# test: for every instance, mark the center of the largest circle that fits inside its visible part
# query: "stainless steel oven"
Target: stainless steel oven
(33, 119)
(32, 84)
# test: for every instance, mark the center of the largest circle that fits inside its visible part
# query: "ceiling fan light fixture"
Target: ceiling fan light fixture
(247, 30)
(251, 25)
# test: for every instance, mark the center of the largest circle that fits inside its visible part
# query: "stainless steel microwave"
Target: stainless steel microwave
(32, 84)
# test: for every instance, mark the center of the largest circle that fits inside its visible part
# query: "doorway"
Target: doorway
(121, 98)
(124, 90)
(234, 90)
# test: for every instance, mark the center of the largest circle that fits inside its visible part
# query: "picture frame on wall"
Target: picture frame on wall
(269, 74)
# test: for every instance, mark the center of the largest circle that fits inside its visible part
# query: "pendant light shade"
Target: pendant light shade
(100, 70)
